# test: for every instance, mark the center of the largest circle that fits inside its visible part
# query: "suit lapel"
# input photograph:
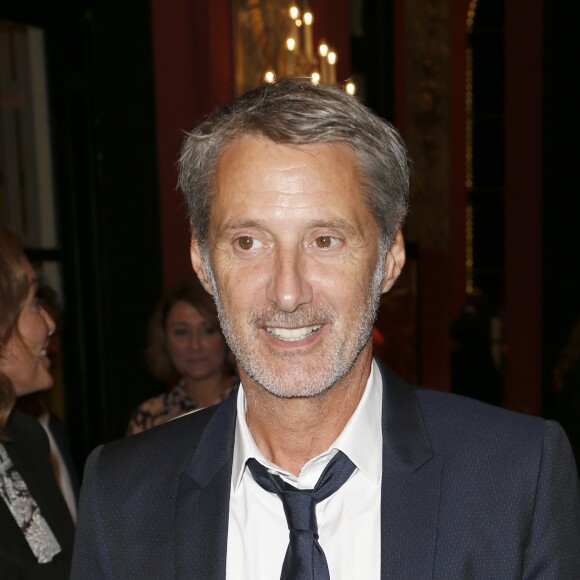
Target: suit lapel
(410, 485)
(202, 507)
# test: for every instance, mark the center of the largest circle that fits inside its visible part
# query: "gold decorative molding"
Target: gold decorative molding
(260, 30)
(469, 149)
(428, 119)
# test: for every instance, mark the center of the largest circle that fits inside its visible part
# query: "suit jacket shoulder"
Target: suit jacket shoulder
(171, 444)
(491, 492)
(141, 492)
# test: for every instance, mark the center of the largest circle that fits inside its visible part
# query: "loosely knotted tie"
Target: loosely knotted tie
(305, 559)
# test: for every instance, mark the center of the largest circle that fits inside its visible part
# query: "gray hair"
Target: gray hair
(294, 111)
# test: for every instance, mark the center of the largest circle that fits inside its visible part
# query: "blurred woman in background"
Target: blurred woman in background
(185, 345)
(36, 529)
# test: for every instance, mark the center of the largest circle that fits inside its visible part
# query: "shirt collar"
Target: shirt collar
(360, 440)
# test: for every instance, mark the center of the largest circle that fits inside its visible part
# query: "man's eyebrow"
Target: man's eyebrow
(238, 224)
(351, 228)
(235, 225)
(336, 224)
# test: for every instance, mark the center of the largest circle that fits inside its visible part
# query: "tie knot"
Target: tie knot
(304, 558)
(300, 504)
(300, 509)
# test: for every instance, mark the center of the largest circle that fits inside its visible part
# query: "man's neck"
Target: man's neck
(290, 432)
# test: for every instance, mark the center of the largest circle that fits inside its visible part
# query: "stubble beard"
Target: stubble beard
(300, 375)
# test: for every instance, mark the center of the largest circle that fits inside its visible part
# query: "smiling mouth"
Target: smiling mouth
(293, 334)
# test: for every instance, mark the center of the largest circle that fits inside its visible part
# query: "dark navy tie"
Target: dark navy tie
(305, 559)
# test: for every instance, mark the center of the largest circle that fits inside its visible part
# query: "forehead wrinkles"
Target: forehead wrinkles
(268, 163)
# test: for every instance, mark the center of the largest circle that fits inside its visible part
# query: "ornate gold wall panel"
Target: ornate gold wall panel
(260, 32)
(427, 120)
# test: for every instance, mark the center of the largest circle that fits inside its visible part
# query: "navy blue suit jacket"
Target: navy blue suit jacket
(468, 491)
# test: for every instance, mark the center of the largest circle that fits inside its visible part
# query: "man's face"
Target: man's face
(293, 251)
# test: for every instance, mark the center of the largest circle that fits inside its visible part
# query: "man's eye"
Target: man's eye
(325, 242)
(245, 242)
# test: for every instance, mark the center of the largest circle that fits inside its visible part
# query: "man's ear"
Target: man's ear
(198, 264)
(394, 262)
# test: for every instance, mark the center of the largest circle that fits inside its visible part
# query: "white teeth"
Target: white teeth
(43, 352)
(292, 334)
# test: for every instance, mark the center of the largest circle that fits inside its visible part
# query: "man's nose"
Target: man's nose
(289, 286)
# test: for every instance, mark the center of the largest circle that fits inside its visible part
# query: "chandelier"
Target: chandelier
(301, 59)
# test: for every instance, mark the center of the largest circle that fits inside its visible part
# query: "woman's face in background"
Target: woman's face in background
(24, 360)
(195, 345)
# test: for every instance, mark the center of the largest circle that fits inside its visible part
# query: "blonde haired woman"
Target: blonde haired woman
(187, 348)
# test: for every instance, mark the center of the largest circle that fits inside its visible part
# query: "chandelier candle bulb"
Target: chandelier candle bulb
(308, 45)
(294, 12)
(331, 58)
(323, 52)
(296, 35)
(350, 88)
(290, 45)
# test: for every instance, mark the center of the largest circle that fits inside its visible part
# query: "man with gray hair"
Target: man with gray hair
(326, 465)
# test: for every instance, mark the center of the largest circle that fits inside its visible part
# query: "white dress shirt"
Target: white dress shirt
(348, 521)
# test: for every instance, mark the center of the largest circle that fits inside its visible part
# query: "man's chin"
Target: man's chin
(292, 385)
(293, 393)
